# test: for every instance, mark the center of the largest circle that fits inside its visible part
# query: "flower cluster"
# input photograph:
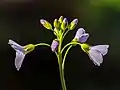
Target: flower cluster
(61, 28)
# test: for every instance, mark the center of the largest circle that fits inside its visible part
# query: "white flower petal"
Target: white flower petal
(103, 49)
(19, 59)
(96, 57)
(83, 38)
(79, 32)
(15, 46)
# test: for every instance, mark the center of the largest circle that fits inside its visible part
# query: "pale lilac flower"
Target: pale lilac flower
(81, 36)
(20, 53)
(54, 45)
(97, 52)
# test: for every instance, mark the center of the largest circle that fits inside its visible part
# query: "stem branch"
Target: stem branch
(63, 63)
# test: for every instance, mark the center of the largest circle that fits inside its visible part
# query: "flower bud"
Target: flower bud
(73, 24)
(56, 23)
(54, 45)
(46, 24)
(60, 19)
(64, 24)
(56, 31)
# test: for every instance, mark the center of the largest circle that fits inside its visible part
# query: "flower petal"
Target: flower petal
(96, 57)
(19, 59)
(83, 38)
(103, 49)
(15, 46)
(79, 32)
(54, 45)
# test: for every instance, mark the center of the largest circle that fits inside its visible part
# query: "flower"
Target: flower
(95, 53)
(73, 24)
(81, 36)
(46, 24)
(54, 45)
(21, 51)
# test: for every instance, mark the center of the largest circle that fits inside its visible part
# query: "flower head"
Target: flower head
(21, 51)
(54, 45)
(81, 36)
(95, 53)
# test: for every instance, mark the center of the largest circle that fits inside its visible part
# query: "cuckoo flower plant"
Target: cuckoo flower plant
(60, 29)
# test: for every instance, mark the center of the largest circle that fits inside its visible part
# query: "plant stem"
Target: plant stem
(63, 62)
(65, 47)
(61, 71)
(44, 44)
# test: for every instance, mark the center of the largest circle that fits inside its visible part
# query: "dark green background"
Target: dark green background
(19, 21)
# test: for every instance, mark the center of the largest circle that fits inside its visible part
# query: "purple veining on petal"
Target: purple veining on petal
(20, 53)
(79, 32)
(19, 59)
(96, 57)
(83, 38)
(16, 46)
(103, 49)
(54, 45)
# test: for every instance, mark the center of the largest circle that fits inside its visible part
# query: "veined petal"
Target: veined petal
(16, 46)
(83, 38)
(79, 32)
(19, 59)
(96, 57)
(103, 49)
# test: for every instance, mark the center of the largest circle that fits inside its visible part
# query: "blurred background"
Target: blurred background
(19, 21)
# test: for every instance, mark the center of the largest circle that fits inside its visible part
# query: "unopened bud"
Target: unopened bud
(46, 24)
(60, 19)
(56, 23)
(64, 24)
(54, 45)
(73, 24)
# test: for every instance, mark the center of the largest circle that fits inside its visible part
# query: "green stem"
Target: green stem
(61, 72)
(60, 66)
(64, 34)
(63, 63)
(65, 47)
(44, 44)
